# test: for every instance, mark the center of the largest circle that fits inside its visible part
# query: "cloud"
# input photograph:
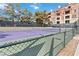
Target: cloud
(35, 6)
(59, 6)
(51, 10)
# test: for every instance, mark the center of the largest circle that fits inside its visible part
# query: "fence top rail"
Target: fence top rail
(30, 39)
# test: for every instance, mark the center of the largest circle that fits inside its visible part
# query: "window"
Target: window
(58, 22)
(58, 14)
(75, 10)
(69, 6)
(67, 12)
(67, 21)
(78, 10)
(67, 17)
(49, 13)
(49, 17)
(58, 18)
(73, 16)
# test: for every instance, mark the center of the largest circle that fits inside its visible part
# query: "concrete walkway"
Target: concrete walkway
(72, 48)
(77, 50)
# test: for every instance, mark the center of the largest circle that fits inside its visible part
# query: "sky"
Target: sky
(42, 6)
(38, 6)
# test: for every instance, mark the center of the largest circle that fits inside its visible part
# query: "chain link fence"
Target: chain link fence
(47, 45)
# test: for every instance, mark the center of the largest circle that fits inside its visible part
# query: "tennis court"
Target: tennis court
(36, 46)
(25, 33)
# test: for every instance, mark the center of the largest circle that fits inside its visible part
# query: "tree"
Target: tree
(18, 9)
(13, 10)
(26, 15)
(41, 18)
(10, 11)
(38, 17)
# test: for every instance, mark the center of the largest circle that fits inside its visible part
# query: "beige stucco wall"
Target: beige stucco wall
(74, 6)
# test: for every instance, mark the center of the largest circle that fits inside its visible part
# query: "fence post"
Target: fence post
(75, 28)
(64, 37)
(51, 47)
(59, 28)
(73, 31)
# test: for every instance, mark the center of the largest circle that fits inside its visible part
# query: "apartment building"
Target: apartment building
(66, 14)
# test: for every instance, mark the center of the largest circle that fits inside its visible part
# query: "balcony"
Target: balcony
(58, 14)
(58, 18)
(67, 12)
(67, 17)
